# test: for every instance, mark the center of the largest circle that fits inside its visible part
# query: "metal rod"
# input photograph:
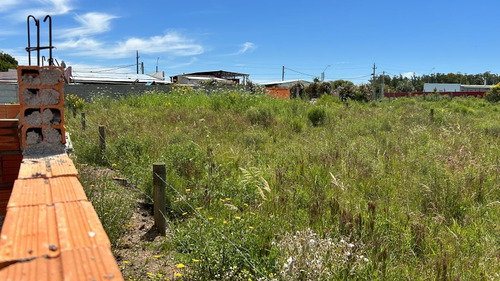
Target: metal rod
(51, 62)
(28, 49)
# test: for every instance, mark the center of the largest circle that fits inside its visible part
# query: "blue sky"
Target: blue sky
(259, 37)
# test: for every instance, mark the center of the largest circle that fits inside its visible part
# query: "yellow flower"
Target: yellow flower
(245, 204)
(185, 213)
(238, 218)
(177, 274)
(188, 189)
(195, 260)
(271, 275)
(157, 256)
(210, 218)
(228, 199)
(251, 227)
(224, 222)
(252, 213)
(113, 165)
(126, 262)
(199, 208)
(150, 274)
(180, 265)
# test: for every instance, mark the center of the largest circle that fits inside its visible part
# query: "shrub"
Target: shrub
(260, 116)
(316, 115)
(494, 94)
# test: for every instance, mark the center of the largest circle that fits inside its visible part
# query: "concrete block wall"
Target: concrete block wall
(41, 97)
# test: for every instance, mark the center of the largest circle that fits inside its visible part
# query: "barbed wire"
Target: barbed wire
(183, 198)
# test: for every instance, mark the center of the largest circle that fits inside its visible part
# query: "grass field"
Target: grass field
(269, 189)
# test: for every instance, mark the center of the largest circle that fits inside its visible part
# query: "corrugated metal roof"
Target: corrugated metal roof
(102, 77)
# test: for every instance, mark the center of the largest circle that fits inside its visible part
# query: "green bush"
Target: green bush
(316, 115)
(494, 94)
(261, 115)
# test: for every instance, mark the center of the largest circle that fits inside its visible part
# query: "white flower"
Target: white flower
(366, 260)
(350, 245)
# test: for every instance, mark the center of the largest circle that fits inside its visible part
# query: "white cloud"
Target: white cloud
(246, 47)
(91, 24)
(408, 75)
(171, 43)
(47, 7)
(8, 5)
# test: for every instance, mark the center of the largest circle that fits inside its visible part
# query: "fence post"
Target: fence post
(160, 209)
(102, 139)
(84, 121)
(432, 114)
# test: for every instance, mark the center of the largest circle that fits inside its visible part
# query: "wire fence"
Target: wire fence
(240, 250)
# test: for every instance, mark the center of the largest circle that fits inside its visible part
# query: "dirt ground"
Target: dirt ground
(139, 255)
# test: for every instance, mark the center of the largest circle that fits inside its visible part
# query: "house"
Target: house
(103, 77)
(442, 87)
(8, 77)
(285, 84)
(220, 75)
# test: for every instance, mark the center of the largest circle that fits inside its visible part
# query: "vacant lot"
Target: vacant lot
(260, 188)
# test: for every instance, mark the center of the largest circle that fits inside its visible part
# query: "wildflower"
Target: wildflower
(271, 275)
(113, 165)
(251, 227)
(350, 245)
(228, 199)
(252, 213)
(150, 274)
(210, 218)
(245, 204)
(180, 265)
(177, 274)
(157, 256)
(195, 260)
(199, 208)
(188, 189)
(238, 218)
(224, 222)
(126, 262)
(185, 213)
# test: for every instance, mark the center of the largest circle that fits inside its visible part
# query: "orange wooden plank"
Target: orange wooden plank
(41, 191)
(9, 110)
(29, 232)
(30, 192)
(33, 270)
(79, 226)
(9, 123)
(66, 189)
(53, 166)
(93, 263)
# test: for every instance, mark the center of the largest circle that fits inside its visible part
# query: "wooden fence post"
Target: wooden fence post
(160, 209)
(102, 139)
(432, 114)
(84, 121)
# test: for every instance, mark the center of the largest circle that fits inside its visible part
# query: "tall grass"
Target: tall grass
(386, 189)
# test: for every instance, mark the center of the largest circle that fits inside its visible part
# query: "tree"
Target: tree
(494, 94)
(297, 90)
(7, 62)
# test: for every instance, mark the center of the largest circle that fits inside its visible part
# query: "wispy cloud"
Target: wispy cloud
(90, 24)
(8, 5)
(246, 47)
(179, 65)
(44, 7)
(171, 43)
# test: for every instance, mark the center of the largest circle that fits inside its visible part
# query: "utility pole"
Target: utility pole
(283, 73)
(142, 67)
(373, 82)
(137, 60)
(382, 88)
